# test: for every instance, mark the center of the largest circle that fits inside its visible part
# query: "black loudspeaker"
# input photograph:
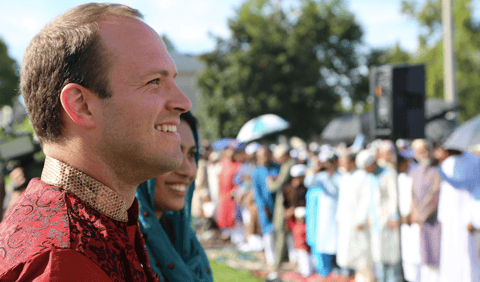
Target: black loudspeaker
(398, 94)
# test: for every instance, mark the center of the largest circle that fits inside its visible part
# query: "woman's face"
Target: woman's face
(171, 187)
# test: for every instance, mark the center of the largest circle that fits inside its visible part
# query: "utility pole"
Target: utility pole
(448, 53)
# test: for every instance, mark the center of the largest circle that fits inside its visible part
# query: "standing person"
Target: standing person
(265, 201)
(174, 251)
(426, 182)
(275, 186)
(294, 195)
(322, 204)
(459, 260)
(409, 232)
(385, 241)
(200, 193)
(99, 87)
(299, 230)
(226, 203)
(364, 161)
(243, 180)
(352, 243)
(214, 167)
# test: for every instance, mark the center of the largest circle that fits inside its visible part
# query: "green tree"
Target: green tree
(9, 79)
(296, 64)
(466, 44)
(168, 43)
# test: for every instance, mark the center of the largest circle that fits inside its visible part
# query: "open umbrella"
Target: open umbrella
(261, 126)
(228, 142)
(221, 144)
(464, 136)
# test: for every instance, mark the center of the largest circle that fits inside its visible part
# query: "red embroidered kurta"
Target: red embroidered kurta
(226, 204)
(70, 227)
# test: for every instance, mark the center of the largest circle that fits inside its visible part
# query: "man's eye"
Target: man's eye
(154, 81)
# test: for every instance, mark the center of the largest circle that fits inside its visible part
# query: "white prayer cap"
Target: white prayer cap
(294, 153)
(387, 145)
(214, 156)
(302, 155)
(401, 143)
(252, 148)
(298, 170)
(300, 212)
(364, 159)
(325, 147)
(208, 209)
(314, 147)
(280, 150)
(326, 156)
(297, 143)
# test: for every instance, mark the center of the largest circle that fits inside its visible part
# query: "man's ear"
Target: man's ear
(75, 101)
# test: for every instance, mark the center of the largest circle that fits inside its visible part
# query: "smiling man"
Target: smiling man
(100, 91)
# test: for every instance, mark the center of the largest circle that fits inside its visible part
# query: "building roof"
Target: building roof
(186, 63)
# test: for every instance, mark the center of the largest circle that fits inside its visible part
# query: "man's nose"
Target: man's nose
(179, 102)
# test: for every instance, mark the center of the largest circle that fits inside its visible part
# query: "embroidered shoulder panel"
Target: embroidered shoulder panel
(37, 222)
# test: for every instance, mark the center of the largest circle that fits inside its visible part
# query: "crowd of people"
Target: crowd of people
(381, 211)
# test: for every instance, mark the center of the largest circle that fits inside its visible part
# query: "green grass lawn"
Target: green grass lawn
(221, 273)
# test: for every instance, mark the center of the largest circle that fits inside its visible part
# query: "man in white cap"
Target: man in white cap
(322, 198)
(426, 182)
(384, 217)
(359, 254)
(351, 242)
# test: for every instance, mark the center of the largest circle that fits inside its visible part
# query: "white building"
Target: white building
(188, 67)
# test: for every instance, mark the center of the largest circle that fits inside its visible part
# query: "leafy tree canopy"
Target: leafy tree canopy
(9, 80)
(296, 64)
(466, 44)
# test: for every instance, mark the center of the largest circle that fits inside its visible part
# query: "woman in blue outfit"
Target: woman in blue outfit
(173, 249)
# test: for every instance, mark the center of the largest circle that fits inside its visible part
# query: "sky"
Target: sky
(190, 24)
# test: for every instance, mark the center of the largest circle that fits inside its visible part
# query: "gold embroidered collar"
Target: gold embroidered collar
(88, 189)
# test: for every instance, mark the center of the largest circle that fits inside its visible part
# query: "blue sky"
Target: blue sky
(188, 23)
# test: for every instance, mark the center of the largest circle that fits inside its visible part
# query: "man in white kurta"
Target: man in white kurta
(410, 233)
(459, 259)
(361, 255)
(385, 236)
(352, 243)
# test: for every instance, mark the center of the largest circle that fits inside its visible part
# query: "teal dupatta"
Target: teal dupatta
(174, 251)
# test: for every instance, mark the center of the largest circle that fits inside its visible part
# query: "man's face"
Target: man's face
(263, 156)
(136, 122)
(297, 181)
(371, 168)
(421, 153)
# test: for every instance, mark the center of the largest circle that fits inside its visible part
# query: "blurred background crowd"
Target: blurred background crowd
(380, 211)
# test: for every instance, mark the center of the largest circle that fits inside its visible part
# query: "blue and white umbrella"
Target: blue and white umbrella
(261, 126)
(465, 136)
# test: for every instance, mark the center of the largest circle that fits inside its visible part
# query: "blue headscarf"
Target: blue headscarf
(173, 249)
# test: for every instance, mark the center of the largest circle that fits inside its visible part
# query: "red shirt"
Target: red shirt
(299, 232)
(74, 230)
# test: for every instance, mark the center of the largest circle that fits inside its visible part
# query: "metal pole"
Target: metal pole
(448, 53)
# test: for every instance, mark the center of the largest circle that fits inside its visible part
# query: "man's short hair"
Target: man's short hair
(67, 50)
